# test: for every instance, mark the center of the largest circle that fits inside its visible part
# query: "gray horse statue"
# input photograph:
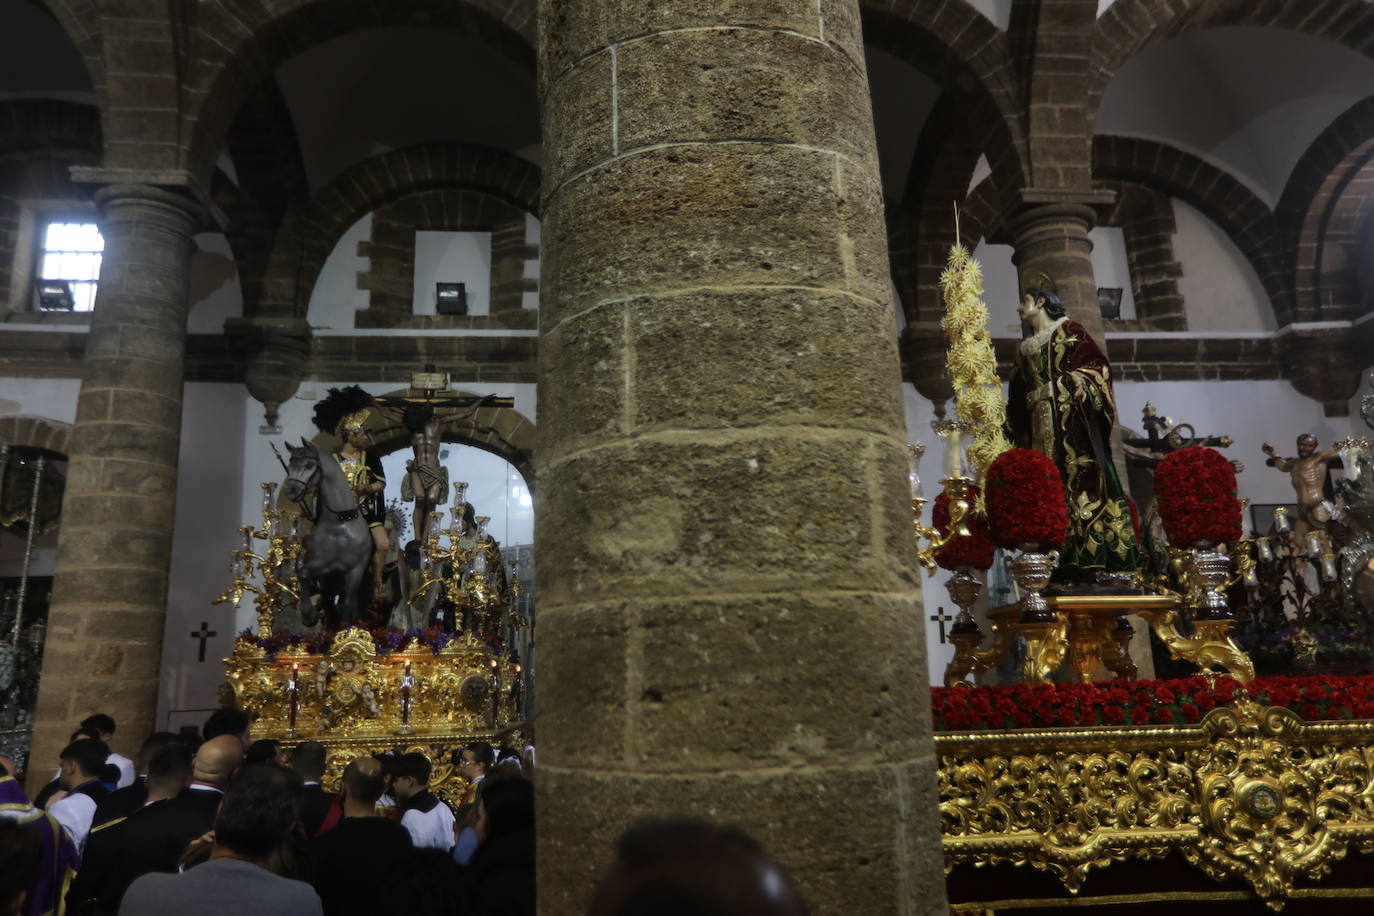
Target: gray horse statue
(340, 544)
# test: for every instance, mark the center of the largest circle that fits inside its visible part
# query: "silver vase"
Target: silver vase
(1032, 569)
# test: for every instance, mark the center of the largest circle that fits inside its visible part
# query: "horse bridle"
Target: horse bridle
(313, 480)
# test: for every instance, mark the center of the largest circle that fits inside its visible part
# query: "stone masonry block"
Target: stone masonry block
(777, 355)
(679, 512)
(583, 359)
(693, 216)
(735, 84)
(582, 687)
(581, 134)
(792, 815)
(572, 29)
(719, 687)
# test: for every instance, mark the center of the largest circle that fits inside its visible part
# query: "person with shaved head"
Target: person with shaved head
(353, 865)
(154, 837)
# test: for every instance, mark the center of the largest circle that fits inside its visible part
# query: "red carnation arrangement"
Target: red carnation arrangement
(1025, 500)
(974, 551)
(1195, 489)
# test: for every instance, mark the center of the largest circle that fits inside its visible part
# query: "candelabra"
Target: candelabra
(279, 564)
(1204, 575)
(464, 573)
(956, 487)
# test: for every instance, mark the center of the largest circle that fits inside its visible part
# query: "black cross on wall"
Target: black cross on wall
(203, 634)
(941, 618)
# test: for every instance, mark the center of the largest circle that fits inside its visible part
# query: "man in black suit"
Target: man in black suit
(354, 865)
(154, 837)
(123, 802)
(103, 876)
(309, 760)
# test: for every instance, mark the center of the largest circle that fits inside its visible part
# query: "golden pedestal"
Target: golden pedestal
(1091, 631)
(356, 700)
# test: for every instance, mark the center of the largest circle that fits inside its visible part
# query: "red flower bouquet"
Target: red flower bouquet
(1195, 489)
(1177, 702)
(974, 551)
(1025, 500)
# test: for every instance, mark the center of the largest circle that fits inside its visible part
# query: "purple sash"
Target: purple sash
(59, 862)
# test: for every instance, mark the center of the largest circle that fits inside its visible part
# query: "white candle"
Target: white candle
(954, 465)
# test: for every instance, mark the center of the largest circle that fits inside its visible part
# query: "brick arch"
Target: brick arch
(957, 47)
(238, 44)
(502, 431)
(1221, 198)
(391, 176)
(1128, 27)
(27, 431)
(1145, 217)
(81, 21)
(946, 156)
(1322, 216)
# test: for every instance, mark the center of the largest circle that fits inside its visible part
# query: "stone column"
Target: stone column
(1050, 235)
(104, 642)
(730, 619)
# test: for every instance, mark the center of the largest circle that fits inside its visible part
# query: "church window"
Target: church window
(71, 252)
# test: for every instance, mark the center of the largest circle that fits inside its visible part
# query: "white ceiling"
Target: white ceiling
(1247, 99)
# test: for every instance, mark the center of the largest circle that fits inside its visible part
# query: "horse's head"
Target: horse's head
(303, 471)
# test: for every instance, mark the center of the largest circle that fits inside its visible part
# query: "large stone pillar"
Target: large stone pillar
(730, 621)
(104, 642)
(1050, 235)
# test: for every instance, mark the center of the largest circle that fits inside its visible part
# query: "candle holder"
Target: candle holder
(293, 698)
(278, 565)
(407, 684)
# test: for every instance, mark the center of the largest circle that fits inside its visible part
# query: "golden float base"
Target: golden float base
(1251, 793)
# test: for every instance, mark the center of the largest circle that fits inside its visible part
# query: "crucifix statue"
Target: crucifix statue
(424, 411)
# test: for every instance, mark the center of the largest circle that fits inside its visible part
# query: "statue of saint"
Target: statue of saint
(365, 475)
(1310, 473)
(1061, 405)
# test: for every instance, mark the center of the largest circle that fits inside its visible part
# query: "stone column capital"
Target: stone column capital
(168, 208)
(174, 190)
(1320, 364)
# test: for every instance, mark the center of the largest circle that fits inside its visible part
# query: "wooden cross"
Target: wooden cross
(941, 618)
(203, 634)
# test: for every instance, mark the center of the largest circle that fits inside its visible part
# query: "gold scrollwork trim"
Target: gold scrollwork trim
(1250, 792)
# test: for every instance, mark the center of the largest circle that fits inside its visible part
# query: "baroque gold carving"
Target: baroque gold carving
(1250, 792)
(352, 692)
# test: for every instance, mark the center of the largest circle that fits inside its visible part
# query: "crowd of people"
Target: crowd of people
(213, 824)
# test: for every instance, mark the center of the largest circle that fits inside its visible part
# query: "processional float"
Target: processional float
(432, 684)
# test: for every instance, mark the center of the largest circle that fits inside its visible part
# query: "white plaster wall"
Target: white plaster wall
(1249, 100)
(452, 257)
(1110, 266)
(998, 12)
(530, 300)
(1221, 291)
(50, 398)
(209, 472)
(1251, 413)
(215, 293)
(1103, 6)
(1001, 291)
(336, 297)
